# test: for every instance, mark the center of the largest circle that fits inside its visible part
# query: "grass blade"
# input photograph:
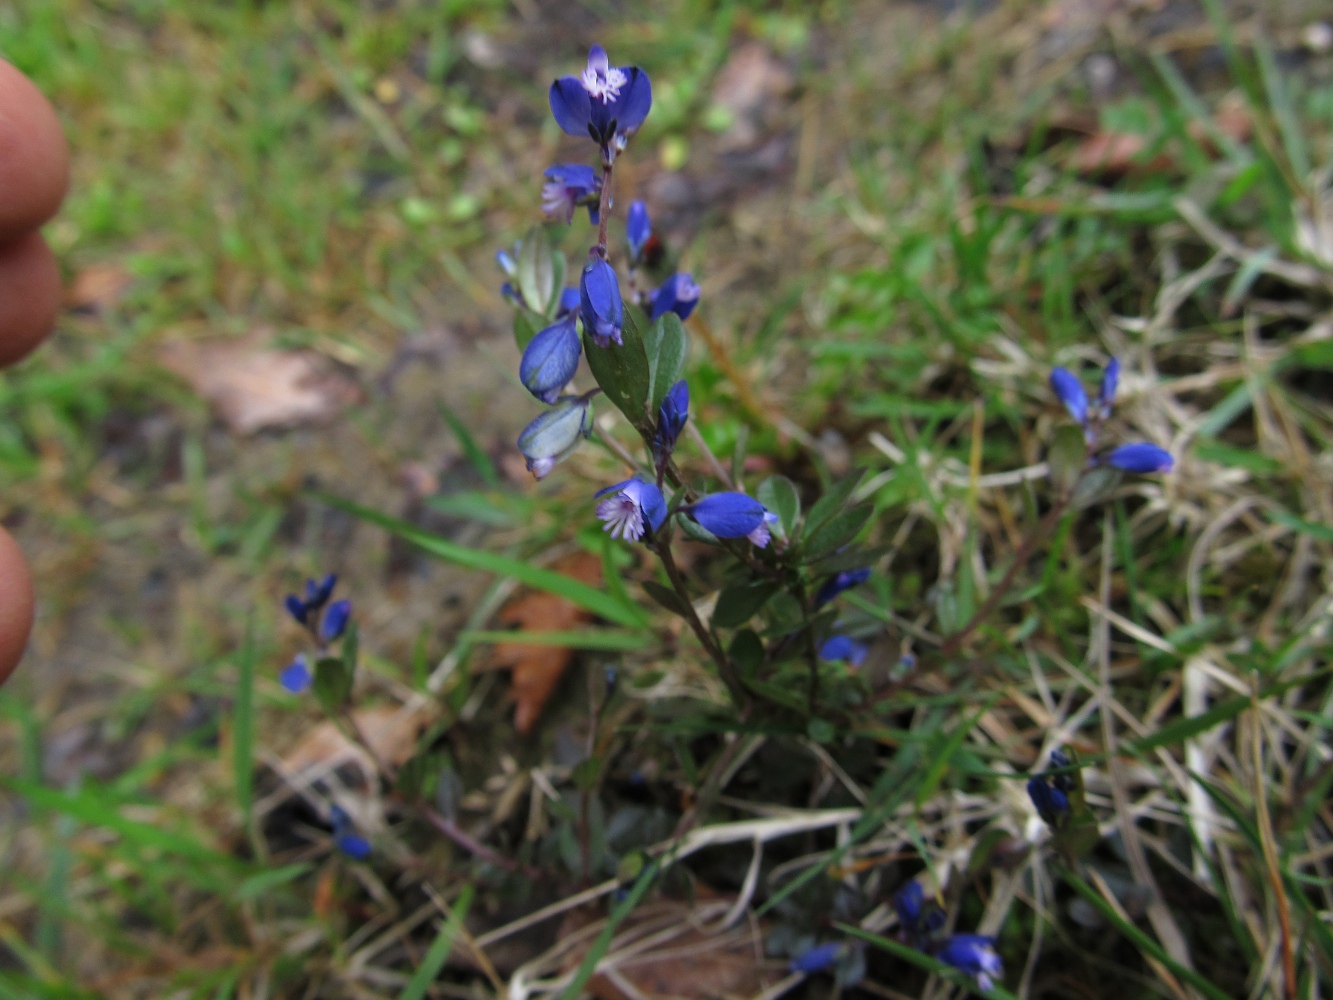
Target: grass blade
(243, 726)
(603, 942)
(439, 949)
(590, 598)
(924, 961)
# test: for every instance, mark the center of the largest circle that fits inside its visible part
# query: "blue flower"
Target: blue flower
(1110, 381)
(556, 433)
(550, 360)
(600, 304)
(606, 102)
(818, 958)
(671, 418)
(345, 838)
(908, 902)
(1071, 393)
(1140, 458)
(975, 955)
(763, 534)
(678, 294)
(840, 647)
(1051, 803)
(1064, 782)
(629, 507)
(839, 582)
(638, 229)
(728, 515)
(296, 608)
(295, 677)
(569, 185)
(335, 621)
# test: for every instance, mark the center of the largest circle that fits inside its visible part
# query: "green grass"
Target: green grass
(339, 174)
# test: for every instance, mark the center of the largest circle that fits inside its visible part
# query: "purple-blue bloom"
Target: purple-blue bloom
(671, 418)
(569, 185)
(1071, 393)
(600, 304)
(638, 229)
(551, 359)
(818, 958)
(839, 582)
(1110, 381)
(678, 294)
(345, 838)
(318, 594)
(975, 955)
(840, 647)
(296, 608)
(556, 433)
(728, 515)
(335, 621)
(295, 677)
(763, 534)
(569, 302)
(506, 262)
(908, 902)
(631, 507)
(1051, 803)
(1140, 458)
(606, 102)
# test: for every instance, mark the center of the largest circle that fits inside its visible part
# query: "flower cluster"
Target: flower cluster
(921, 925)
(1090, 415)
(324, 622)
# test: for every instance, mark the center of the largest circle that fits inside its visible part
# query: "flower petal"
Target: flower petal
(728, 515)
(571, 106)
(631, 107)
(550, 360)
(1141, 458)
(1071, 393)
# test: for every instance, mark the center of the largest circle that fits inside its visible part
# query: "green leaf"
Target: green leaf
(1237, 458)
(666, 346)
(600, 603)
(1318, 354)
(737, 604)
(587, 773)
(1068, 458)
(746, 652)
(1095, 486)
(243, 726)
(831, 502)
(853, 558)
(526, 325)
(475, 453)
(593, 638)
(1320, 532)
(836, 532)
(332, 684)
(429, 969)
(536, 270)
(668, 598)
(778, 494)
(261, 882)
(560, 268)
(622, 372)
(940, 762)
(351, 648)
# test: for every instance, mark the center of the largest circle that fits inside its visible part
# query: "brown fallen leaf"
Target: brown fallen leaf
(390, 730)
(253, 387)
(98, 287)
(686, 960)
(1115, 154)
(537, 669)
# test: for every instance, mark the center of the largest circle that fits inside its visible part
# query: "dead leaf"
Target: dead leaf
(253, 387)
(749, 86)
(98, 287)
(687, 960)
(537, 669)
(1115, 154)
(390, 730)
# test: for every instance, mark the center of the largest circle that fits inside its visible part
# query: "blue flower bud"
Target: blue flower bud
(1051, 803)
(318, 594)
(296, 608)
(839, 582)
(1141, 458)
(556, 433)
(569, 185)
(728, 515)
(295, 677)
(1064, 782)
(631, 508)
(353, 845)
(975, 955)
(1071, 393)
(638, 229)
(569, 303)
(600, 304)
(606, 102)
(908, 902)
(840, 647)
(506, 262)
(335, 621)
(678, 294)
(818, 958)
(1110, 381)
(512, 295)
(551, 359)
(671, 418)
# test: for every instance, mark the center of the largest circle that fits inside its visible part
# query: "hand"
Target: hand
(34, 172)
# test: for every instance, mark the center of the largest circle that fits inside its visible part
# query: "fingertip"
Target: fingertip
(16, 604)
(34, 157)
(29, 295)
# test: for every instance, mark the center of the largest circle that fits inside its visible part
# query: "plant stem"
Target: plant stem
(604, 205)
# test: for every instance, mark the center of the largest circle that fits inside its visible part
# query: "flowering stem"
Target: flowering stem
(724, 668)
(604, 206)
